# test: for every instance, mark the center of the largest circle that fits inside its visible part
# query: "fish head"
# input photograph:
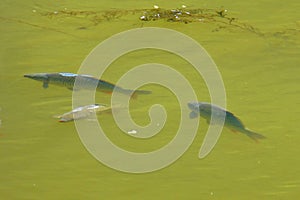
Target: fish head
(194, 106)
(38, 76)
(200, 106)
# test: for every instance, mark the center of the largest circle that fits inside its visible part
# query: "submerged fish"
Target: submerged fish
(83, 112)
(231, 121)
(83, 82)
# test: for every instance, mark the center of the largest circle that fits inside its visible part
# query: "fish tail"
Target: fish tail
(254, 136)
(136, 92)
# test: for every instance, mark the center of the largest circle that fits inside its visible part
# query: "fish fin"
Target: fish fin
(193, 115)
(235, 131)
(45, 84)
(208, 121)
(73, 89)
(105, 91)
(134, 96)
(254, 136)
(142, 92)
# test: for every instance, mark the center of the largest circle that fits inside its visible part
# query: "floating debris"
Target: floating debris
(182, 15)
(222, 13)
(221, 18)
(156, 7)
(143, 18)
(132, 132)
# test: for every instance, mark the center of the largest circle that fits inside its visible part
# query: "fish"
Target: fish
(86, 82)
(231, 121)
(83, 112)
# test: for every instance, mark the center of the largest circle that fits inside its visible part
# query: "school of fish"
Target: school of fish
(87, 82)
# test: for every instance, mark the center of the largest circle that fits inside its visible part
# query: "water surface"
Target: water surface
(44, 159)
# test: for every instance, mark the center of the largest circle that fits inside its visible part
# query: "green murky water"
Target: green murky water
(43, 159)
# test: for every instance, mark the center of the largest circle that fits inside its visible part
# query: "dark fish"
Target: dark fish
(83, 82)
(231, 121)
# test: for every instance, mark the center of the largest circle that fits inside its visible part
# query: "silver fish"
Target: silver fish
(83, 112)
